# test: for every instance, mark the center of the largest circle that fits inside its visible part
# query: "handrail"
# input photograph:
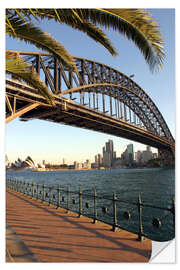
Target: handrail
(55, 195)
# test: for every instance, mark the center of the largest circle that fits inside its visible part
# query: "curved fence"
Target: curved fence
(145, 220)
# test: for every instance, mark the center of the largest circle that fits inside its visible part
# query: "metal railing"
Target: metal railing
(111, 210)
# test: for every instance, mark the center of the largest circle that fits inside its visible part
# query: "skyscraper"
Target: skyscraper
(130, 150)
(128, 155)
(108, 154)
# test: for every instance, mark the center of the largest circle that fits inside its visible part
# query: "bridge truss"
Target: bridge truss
(95, 96)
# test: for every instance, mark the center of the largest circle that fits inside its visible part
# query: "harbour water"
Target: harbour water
(156, 187)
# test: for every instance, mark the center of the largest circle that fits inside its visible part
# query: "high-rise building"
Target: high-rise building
(64, 161)
(87, 164)
(96, 160)
(128, 155)
(148, 148)
(155, 155)
(138, 156)
(99, 160)
(108, 154)
(147, 155)
(130, 150)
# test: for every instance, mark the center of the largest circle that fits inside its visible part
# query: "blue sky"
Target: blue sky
(53, 142)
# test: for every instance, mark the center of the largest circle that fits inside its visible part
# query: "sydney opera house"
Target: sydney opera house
(19, 164)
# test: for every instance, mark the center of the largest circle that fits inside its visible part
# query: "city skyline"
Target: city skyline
(65, 160)
(46, 140)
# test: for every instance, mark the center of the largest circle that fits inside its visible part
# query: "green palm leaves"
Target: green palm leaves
(17, 67)
(136, 25)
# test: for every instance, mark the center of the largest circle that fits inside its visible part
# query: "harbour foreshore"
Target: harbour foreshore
(53, 235)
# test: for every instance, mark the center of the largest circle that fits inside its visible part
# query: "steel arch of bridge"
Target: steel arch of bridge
(100, 87)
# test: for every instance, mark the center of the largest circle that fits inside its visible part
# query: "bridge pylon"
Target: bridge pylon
(167, 158)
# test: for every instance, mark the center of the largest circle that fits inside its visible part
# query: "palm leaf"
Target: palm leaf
(16, 66)
(73, 19)
(33, 35)
(136, 25)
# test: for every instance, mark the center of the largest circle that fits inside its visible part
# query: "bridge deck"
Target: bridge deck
(54, 236)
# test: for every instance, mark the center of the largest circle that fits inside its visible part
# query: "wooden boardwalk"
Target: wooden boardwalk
(52, 235)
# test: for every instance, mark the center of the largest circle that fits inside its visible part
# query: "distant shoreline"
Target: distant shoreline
(48, 169)
(66, 169)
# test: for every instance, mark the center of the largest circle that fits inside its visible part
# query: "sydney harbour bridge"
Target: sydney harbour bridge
(95, 97)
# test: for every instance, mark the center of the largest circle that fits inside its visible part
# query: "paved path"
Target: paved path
(54, 236)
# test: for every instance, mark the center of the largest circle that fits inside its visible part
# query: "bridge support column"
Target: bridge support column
(167, 158)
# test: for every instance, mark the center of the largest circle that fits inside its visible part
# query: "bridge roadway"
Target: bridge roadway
(71, 113)
(48, 234)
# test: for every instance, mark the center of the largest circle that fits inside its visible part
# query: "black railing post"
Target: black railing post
(20, 189)
(37, 187)
(140, 234)
(173, 212)
(114, 228)
(58, 197)
(27, 189)
(80, 202)
(43, 193)
(32, 191)
(50, 191)
(24, 188)
(16, 185)
(68, 199)
(95, 210)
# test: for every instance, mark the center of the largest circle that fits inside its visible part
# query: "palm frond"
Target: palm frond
(33, 35)
(137, 25)
(16, 66)
(72, 18)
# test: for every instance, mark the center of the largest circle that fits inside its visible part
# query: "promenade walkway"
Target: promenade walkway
(53, 235)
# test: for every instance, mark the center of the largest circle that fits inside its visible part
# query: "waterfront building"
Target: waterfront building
(107, 160)
(108, 154)
(87, 164)
(138, 156)
(148, 148)
(75, 165)
(155, 155)
(128, 156)
(118, 163)
(98, 161)
(130, 150)
(147, 155)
